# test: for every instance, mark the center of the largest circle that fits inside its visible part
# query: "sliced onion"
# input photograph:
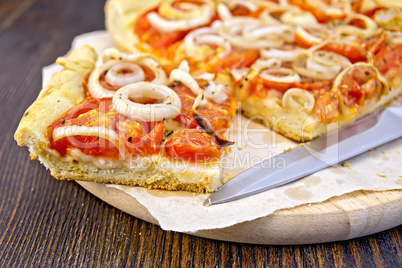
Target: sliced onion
(180, 20)
(280, 75)
(169, 107)
(262, 63)
(101, 132)
(395, 37)
(312, 34)
(186, 79)
(141, 59)
(191, 10)
(248, 4)
(350, 30)
(323, 65)
(250, 33)
(339, 79)
(115, 76)
(283, 3)
(283, 55)
(266, 18)
(184, 66)
(390, 18)
(94, 86)
(197, 43)
(272, 93)
(298, 99)
(223, 12)
(114, 60)
(206, 76)
(298, 17)
(199, 101)
(216, 92)
(285, 31)
(239, 73)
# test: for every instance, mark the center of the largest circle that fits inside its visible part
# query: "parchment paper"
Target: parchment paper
(377, 170)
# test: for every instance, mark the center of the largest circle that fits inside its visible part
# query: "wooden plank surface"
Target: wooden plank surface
(44, 222)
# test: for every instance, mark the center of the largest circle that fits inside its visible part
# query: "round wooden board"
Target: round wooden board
(339, 218)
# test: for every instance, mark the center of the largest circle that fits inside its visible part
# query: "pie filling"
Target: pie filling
(325, 60)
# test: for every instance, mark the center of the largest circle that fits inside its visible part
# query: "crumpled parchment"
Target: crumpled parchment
(377, 170)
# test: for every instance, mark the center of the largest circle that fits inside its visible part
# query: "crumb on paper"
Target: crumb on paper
(397, 152)
(308, 143)
(345, 164)
(287, 150)
(381, 175)
(383, 152)
(370, 150)
(240, 148)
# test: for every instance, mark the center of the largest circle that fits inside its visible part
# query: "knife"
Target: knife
(327, 150)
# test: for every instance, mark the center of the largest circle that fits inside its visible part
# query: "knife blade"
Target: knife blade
(327, 150)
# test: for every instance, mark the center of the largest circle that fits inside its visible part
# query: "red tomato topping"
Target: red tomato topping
(238, 58)
(260, 87)
(389, 58)
(359, 84)
(192, 145)
(135, 138)
(354, 54)
(218, 115)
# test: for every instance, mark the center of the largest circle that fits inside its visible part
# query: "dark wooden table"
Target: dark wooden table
(44, 222)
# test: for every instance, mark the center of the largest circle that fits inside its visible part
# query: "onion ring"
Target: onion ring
(323, 65)
(112, 57)
(298, 99)
(172, 19)
(169, 107)
(250, 33)
(197, 43)
(117, 77)
(288, 75)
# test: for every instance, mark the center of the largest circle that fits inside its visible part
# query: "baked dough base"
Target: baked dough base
(64, 91)
(302, 126)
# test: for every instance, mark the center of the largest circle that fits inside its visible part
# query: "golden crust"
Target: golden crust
(198, 179)
(64, 91)
(302, 126)
(120, 16)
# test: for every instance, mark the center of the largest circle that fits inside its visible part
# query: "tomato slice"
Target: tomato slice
(135, 138)
(160, 42)
(238, 58)
(358, 85)
(93, 146)
(326, 105)
(260, 87)
(353, 53)
(192, 145)
(389, 58)
(218, 115)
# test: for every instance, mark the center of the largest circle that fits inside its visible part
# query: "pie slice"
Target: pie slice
(125, 122)
(302, 68)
